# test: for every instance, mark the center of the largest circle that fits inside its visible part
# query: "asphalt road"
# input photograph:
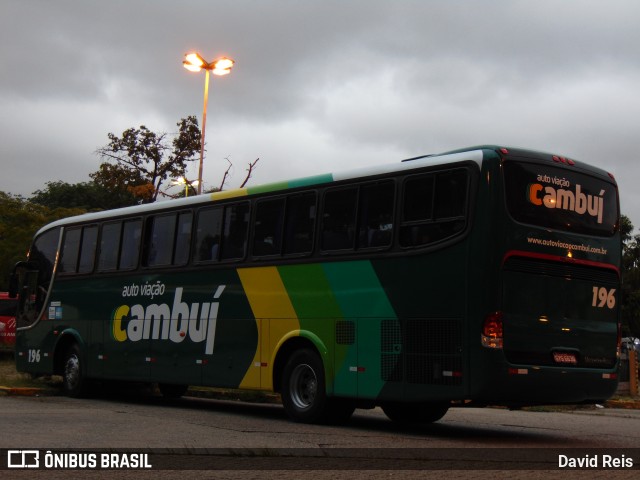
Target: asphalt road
(226, 439)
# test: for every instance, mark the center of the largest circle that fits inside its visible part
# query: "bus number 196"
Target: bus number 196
(33, 356)
(602, 297)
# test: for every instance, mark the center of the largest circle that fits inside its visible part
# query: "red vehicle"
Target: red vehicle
(7, 321)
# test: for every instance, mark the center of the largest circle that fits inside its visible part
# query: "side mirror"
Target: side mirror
(18, 272)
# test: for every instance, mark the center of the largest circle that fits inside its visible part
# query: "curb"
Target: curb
(23, 391)
(262, 397)
(625, 404)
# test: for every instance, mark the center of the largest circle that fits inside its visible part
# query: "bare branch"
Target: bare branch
(252, 165)
(226, 173)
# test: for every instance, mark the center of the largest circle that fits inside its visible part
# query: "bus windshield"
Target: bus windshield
(562, 199)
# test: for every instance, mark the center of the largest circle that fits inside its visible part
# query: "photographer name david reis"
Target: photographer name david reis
(595, 461)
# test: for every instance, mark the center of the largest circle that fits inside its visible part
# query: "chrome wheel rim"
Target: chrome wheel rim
(72, 372)
(304, 386)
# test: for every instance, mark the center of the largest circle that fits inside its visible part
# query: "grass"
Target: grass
(11, 378)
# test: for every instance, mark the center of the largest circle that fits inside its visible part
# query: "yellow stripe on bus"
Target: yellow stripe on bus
(276, 319)
(221, 195)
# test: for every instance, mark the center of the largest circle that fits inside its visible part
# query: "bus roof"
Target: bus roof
(474, 155)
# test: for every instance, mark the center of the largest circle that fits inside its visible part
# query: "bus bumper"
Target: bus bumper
(523, 385)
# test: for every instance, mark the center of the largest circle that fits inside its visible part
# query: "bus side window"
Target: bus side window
(433, 207)
(300, 223)
(375, 222)
(70, 251)
(208, 234)
(418, 199)
(451, 194)
(109, 246)
(160, 240)
(339, 219)
(234, 234)
(451, 202)
(88, 249)
(130, 244)
(267, 228)
(183, 239)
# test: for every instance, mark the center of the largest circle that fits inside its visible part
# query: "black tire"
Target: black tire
(171, 391)
(339, 411)
(304, 395)
(415, 413)
(74, 383)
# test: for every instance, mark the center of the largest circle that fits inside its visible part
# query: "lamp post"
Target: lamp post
(222, 66)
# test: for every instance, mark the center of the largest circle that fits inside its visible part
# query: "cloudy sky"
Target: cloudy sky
(320, 85)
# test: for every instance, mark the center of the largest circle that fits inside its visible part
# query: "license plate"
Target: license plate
(565, 358)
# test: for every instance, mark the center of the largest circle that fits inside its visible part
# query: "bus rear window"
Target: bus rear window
(562, 199)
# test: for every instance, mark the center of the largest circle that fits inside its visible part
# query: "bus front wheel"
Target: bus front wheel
(73, 382)
(303, 387)
(410, 413)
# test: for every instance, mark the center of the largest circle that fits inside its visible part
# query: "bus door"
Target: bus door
(30, 353)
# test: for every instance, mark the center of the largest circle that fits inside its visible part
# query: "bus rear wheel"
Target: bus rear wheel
(303, 387)
(412, 413)
(74, 384)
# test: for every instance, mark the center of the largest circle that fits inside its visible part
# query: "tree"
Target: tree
(630, 278)
(140, 161)
(89, 196)
(19, 221)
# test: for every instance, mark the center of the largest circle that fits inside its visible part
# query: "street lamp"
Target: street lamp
(222, 66)
(186, 183)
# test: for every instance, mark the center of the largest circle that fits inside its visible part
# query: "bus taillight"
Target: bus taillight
(492, 330)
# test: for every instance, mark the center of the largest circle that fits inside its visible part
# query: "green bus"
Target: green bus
(482, 276)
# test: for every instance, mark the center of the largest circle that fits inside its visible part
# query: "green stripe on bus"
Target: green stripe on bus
(305, 182)
(362, 298)
(318, 310)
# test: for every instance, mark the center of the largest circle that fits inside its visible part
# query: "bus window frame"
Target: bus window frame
(224, 208)
(467, 217)
(148, 226)
(288, 200)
